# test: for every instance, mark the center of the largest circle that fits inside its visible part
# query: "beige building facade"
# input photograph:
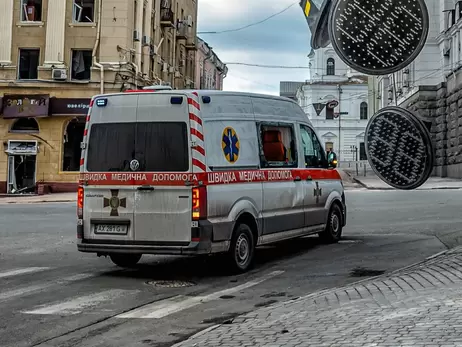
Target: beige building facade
(57, 54)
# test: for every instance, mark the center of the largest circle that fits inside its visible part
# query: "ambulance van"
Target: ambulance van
(199, 172)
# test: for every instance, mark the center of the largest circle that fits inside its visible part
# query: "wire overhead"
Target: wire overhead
(248, 25)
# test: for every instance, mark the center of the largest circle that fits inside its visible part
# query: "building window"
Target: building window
(25, 125)
(81, 65)
(330, 67)
(329, 146)
(329, 113)
(31, 10)
(83, 11)
(363, 110)
(362, 151)
(73, 136)
(28, 64)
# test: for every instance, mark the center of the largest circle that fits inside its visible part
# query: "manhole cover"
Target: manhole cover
(399, 148)
(378, 37)
(171, 284)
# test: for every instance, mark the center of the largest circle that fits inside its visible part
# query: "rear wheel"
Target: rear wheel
(125, 260)
(242, 250)
(333, 231)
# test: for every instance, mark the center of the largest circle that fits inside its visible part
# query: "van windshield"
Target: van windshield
(158, 146)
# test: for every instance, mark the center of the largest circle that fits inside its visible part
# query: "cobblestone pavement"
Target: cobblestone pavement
(420, 306)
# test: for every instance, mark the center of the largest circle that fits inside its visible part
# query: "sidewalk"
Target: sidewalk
(35, 199)
(373, 182)
(417, 306)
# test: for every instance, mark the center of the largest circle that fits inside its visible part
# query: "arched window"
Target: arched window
(73, 136)
(363, 110)
(25, 125)
(330, 67)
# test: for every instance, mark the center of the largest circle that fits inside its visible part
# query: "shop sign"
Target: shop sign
(25, 106)
(69, 106)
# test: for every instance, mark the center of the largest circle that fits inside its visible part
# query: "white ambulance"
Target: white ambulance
(199, 172)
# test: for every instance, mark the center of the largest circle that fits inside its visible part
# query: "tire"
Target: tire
(242, 250)
(125, 260)
(334, 228)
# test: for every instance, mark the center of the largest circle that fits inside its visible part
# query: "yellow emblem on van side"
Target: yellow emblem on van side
(307, 9)
(230, 145)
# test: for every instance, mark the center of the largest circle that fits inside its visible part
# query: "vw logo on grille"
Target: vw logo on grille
(399, 148)
(378, 37)
(134, 165)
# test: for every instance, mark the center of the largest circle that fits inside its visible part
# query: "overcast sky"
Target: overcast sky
(282, 40)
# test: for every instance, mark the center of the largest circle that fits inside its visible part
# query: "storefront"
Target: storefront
(41, 142)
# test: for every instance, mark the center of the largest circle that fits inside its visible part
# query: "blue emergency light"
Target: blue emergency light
(176, 100)
(101, 102)
(206, 99)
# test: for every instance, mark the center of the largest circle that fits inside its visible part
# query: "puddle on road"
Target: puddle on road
(364, 272)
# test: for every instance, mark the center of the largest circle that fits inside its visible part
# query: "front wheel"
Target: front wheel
(333, 231)
(242, 250)
(125, 260)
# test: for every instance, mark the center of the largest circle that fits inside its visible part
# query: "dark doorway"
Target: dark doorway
(362, 151)
(22, 173)
(73, 136)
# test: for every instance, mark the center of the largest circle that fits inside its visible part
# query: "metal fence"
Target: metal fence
(357, 168)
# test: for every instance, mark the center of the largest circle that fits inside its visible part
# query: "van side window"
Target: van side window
(313, 153)
(278, 148)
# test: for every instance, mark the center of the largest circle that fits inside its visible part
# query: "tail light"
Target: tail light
(199, 203)
(80, 203)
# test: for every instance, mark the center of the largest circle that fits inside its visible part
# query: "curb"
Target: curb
(34, 202)
(322, 292)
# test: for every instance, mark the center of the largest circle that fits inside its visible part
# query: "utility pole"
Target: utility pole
(339, 121)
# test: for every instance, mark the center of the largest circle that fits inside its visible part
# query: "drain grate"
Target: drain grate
(171, 284)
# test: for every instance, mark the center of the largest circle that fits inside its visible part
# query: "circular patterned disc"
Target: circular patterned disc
(378, 37)
(399, 148)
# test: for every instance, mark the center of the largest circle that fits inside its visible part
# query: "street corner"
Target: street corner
(414, 306)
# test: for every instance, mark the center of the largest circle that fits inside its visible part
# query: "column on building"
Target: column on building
(6, 31)
(56, 28)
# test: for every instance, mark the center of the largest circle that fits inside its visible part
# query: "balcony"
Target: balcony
(182, 31)
(167, 17)
(191, 43)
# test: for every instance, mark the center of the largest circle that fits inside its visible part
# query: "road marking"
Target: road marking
(39, 287)
(163, 308)
(22, 271)
(80, 304)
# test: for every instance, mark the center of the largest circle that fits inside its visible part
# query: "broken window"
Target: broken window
(83, 11)
(81, 65)
(28, 64)
(73, 136)
(31, 10)
(25, 125)
(278, 145)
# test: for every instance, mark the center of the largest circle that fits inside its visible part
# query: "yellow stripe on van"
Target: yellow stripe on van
(307, 8)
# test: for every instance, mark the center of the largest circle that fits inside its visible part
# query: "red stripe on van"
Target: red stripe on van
(194, 103)
(85, 132)
(207, 178)
(200, 149)
(195, 118)
(82, 161)
(197, 133)
(199, 164)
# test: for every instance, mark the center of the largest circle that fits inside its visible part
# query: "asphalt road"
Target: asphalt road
(51, 295)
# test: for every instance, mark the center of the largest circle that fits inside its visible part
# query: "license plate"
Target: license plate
(111, 229)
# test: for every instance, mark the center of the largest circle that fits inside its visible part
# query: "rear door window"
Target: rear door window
(162, 146)
(158, 146)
